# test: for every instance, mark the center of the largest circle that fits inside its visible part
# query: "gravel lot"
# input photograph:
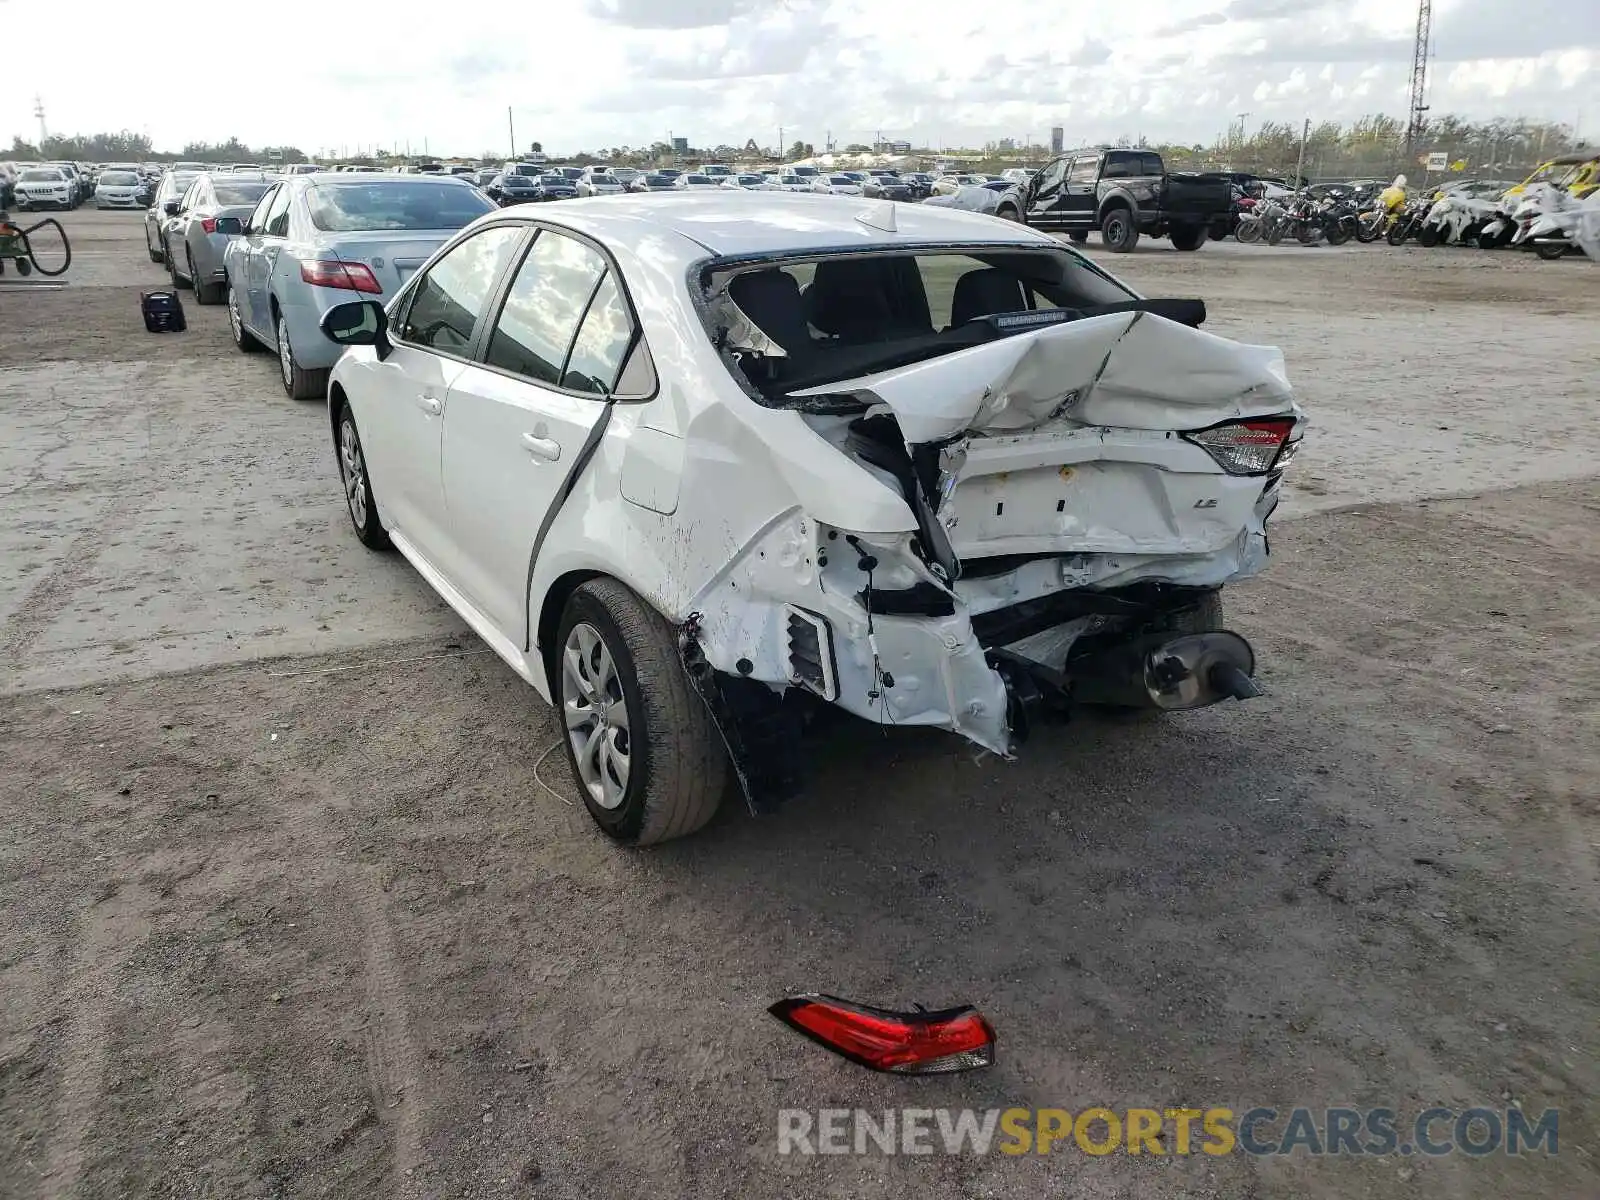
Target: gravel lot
(288, 913)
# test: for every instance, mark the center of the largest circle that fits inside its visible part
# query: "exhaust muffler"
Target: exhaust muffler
(1168, 673)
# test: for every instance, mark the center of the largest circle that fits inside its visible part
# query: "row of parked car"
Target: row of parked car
(526, 182)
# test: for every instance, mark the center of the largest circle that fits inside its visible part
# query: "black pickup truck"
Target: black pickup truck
(1122, 193)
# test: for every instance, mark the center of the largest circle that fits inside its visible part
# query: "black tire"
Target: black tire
(1429, 236)
(677, 765)
(1398, 229)
(299, 383)
(1275, 235)
(1008, 212)
(172, 271)
(204, 293)
(155, 255)
(1248, 230)
(1369, 228)
(1550, 250)
(1189, 237)
(243, 339)
(1079, 237)
(1117, 230)
(359, 500)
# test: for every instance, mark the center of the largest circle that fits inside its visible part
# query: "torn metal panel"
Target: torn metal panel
(1133, 370)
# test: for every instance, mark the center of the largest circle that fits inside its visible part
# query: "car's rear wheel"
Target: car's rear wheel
(1118, 231)
(358, 484)
(242, 337)
(155, 255)
(300, 383)
(172, 270)
(644, 752)
(1079, 237)
(1188, 237)
(204, 293)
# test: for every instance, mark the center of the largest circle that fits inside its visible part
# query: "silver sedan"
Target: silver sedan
(194, 243)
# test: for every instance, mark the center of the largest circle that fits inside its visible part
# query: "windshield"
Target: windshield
(699, 179)
(240, 193)
(372, 205)
(572, 172)
(843, 180)
(807, 172)
(42, 177)
(839, 316)
(752, 180)
(556, 180)
(119, 179)
(658, 180)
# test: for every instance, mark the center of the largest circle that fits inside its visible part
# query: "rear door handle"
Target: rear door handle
(546, 448)
(430, 405)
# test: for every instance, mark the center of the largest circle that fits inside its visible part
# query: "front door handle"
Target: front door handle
(546, 448)
(430, 405)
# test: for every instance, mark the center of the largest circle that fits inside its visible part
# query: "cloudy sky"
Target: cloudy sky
(586, 73)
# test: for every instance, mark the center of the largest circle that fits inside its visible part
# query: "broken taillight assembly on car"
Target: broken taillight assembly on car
(905, 1043)
(332, 273)
(1249, 447)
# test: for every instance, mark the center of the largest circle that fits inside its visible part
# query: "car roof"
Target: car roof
(734, 224)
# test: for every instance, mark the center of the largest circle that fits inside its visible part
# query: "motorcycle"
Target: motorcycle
(1339, 221)
(1556, 225)
(1262, 222)
(1412, 221)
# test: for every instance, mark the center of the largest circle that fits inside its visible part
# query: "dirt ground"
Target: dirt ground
(291, 908)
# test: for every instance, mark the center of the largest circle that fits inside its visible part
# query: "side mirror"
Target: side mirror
(358, 323)
(170, 208)
(231, 226)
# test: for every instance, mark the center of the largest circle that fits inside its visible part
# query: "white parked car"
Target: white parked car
(693, 181)
(600, 182)
(750, 183)
(837, 185)
(45, 187)
(689, 467)
(118, 189)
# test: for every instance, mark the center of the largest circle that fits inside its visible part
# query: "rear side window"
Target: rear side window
(601, 344)
(444, 310)
(1150, 164)
(545, 303)
(1121, 165)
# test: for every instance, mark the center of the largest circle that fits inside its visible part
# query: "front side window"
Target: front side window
(277, 219)
(546, 301)
(449, 300)
(258, 219)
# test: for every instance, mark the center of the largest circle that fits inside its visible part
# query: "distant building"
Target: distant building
(1058, 139)
(1006, 145)
(680, 145)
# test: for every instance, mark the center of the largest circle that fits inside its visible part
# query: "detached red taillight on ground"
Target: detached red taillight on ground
(332, 273)
(1250, 447)
(906, 1043)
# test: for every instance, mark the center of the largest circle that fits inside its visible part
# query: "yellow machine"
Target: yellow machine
(1578, 174)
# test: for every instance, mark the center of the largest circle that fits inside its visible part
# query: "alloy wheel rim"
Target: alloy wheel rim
(354, 471)
(285, 355)
(596, 714)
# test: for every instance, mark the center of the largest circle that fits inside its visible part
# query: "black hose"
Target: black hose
(66, 248)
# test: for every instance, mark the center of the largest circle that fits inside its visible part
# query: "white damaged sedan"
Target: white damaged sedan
(695, 464)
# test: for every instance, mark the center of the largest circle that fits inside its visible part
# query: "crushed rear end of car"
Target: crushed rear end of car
(1081, 471)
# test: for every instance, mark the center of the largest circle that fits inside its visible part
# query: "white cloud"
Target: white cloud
(585, 73)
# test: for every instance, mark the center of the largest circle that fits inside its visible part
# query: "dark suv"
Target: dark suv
(1122, 193)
